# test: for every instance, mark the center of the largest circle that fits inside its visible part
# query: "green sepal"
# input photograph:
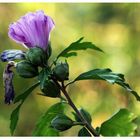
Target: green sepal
(49, 50)
(61, 122)
(26, 69)
(37, 56)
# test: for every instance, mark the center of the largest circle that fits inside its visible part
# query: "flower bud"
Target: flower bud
(37, 56)
(61, 71)
(32, 29)
(85, 114)
(26, 69)
(10, 55)
(62, 122)
(50, 89)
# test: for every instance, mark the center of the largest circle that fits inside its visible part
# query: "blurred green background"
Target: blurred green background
(115, 28)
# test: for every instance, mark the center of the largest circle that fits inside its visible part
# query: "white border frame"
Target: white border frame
(71, 1)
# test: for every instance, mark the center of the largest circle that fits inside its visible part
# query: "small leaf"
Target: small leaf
(14, 119)
(69, 54)
(84, 133)
(76, 46)
(121, 124)
(25, 94)
(43, 76)
(43, 127)
(15, 114)
(109, 76)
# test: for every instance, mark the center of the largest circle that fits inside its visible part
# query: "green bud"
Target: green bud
(61, 122)
(85, 114)
(61, 71)
(37, 56)
(26, 69)
(50, 89)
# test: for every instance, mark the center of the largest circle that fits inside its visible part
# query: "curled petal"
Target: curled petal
(8, 85)
(10, 55)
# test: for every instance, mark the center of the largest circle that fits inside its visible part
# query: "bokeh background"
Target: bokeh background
(115, 28)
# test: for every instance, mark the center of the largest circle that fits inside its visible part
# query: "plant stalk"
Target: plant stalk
(87, 125)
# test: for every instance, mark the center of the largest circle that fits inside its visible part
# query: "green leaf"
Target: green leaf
(14, 119)
(121, 124)
(69, 54)
(76, 46)
(25, 94)
(109, 76)
(15, 114)
(137, 121)
(43, 127)
(84, 133)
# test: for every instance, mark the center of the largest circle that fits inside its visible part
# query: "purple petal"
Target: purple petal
(33, 30)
